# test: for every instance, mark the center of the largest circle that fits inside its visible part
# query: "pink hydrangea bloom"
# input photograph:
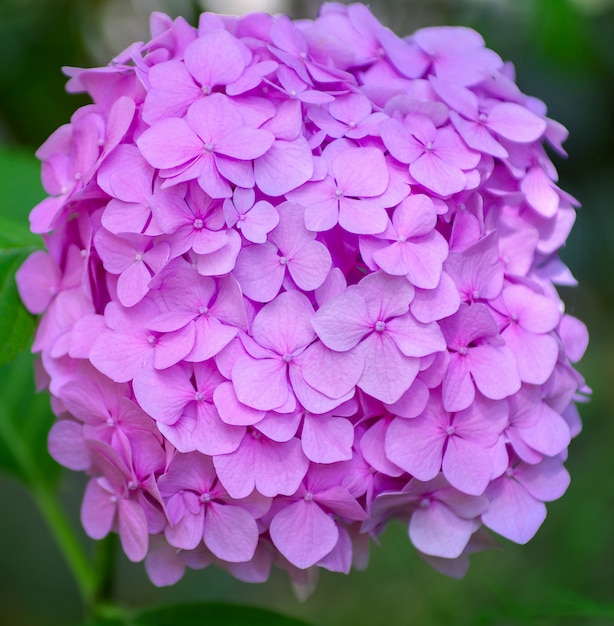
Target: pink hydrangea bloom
(300, 280)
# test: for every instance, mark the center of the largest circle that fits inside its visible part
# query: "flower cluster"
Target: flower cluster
(299, 281)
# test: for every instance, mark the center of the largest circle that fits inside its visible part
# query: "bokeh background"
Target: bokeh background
(564, 54)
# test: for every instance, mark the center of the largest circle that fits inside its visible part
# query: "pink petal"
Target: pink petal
(97, 510)
(387, 373)
(67, 447)
(332, 373)
(494, 371)
(161, 153)
(133, 529)
(467, 466)
(438, 175)
(416, 445)
(513, 513)
(327, 439)
(283, 325)
(309, 267)
(303, 533)
(259, 272)
(261, 384)
(284, 167)
(349, 167)
(216, 58)
(515, 122)
(342, 322)
(212, 436)
(437, 531)
(230, 532)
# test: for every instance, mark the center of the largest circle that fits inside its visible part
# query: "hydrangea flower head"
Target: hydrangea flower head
(300, 280)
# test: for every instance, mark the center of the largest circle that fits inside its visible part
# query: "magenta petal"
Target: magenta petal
(119, 356)
(245, 143)
(549, 435)
(37, 280)
(270, 467)
(283, 325)
(362, 217)
(303, 533)
(349, 167)
(187, 533)
(414, 338)
(536, 355)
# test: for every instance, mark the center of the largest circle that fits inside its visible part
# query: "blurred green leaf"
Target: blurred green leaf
(16, 323)
(20, 185)
(20, 189)
(209, 614)
(25, 420)
(213, 614)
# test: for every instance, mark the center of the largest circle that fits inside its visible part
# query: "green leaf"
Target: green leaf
(206, 614)
(15, 235)
(20, 186)
(213, 614)
(20, 190)
(25, 420)
(16, 323)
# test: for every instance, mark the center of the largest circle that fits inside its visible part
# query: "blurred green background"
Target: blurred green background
(564, 54)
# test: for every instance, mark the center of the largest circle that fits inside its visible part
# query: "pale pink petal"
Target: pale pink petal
(467, 466)
(513, 513)
(437, 531)
(133, 531)
(494, 371)
(97, 510)
(261, 384)
(284, 167)
(327, 439)
(387, 373)
(310, 265)
(162, 153)
(342, 322)
(515, 122)
(416, 445)
(230, 532)
(303, 533)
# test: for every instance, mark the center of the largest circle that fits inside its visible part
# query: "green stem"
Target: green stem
(46, 499)
(106, 553)
(70, 547)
